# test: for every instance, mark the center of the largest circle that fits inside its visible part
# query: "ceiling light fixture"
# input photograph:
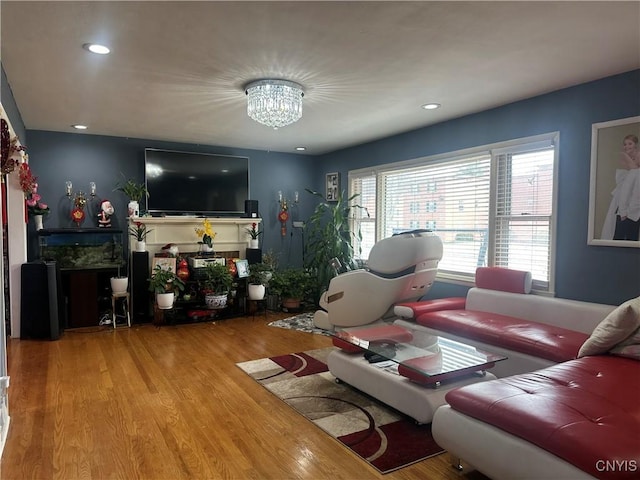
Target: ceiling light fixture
(79, 127)
(96, 48)
(274, 103)
(431, 106)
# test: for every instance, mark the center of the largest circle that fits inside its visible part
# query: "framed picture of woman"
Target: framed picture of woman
(614, 193)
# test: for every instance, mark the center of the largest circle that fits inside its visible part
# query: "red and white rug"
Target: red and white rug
(385, 438)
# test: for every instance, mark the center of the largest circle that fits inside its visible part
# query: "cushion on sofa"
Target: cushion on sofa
(413, 309)
(585, 411)
(503, 279)
(617, 327)
(538, 339)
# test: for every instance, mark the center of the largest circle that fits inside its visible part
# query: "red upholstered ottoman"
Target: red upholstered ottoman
(585, 411)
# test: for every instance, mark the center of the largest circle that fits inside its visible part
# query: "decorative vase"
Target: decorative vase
(38, 222)
(183, 270)
(254, 243)
(165, 300)
(256, 291)
(141, 246)
(134, 209)
(215, 301)
(119, 284)
(291, 303)
(204, 248)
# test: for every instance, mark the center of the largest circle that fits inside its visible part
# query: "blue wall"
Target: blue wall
(593, 273)
(583, 272)
(81, 158)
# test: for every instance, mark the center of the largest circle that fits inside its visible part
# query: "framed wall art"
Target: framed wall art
(242, 268)
(614, 193)
(166, 263)
(333, 186)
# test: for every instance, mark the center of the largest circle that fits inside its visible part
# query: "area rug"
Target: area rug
(302, 322)
(386, 439)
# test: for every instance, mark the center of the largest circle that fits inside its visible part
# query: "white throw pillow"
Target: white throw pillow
(614, 329)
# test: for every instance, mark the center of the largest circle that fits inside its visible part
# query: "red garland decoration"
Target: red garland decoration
(5, 145)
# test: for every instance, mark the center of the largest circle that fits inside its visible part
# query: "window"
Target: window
(495, 206)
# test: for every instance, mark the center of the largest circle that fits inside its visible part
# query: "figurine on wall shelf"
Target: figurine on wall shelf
(104, 217)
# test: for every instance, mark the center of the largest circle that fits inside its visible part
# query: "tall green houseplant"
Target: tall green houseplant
(327, 237)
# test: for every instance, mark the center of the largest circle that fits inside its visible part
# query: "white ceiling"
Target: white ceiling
(177, 69)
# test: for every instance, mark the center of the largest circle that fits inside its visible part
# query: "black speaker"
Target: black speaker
(254, 255)
(139, 287)
(251, 208)
(42, 306)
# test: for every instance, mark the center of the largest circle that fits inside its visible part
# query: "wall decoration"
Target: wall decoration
(243, 268)
(333, 186)
(614, 193)
(166, 263)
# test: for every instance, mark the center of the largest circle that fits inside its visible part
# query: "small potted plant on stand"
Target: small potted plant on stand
(139, 231)
(254, 233)
(292, 285)
(135, 192)
(214, 283)
(165, 284)
(259, 276)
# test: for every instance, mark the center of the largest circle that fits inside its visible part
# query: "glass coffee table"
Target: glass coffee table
(421, 357)
(405, 367)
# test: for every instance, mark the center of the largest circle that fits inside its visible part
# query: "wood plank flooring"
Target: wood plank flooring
(169, 403)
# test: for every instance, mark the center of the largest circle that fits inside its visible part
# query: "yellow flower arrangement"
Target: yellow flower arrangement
(206, 233)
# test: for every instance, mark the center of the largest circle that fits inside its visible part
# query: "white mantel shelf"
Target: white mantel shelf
(230, 233)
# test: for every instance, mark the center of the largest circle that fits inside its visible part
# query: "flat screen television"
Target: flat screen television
(184, 183)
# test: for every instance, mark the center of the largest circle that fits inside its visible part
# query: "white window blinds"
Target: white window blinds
(491, 206)
(524, 208)
(454, 202)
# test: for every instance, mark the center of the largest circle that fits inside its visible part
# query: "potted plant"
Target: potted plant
(135, 192)
(207, 234)
(259, 276)
(165, 284)
(254, 233)
(36, 208)
(139, 231)
(215, 282)
(328, 239)
(119, 284)
(292, 285)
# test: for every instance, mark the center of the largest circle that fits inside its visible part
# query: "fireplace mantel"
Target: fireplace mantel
(230, 233)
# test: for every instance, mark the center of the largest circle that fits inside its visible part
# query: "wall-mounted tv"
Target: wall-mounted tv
(184, 183)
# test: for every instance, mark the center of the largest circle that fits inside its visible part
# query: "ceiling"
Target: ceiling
(177, 69)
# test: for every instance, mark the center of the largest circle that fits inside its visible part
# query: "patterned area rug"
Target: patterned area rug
(383, 437)
(302, 322)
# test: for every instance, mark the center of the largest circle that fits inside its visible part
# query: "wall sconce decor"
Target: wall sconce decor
(68, 186)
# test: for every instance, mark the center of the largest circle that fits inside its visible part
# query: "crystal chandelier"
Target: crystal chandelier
(274, 103)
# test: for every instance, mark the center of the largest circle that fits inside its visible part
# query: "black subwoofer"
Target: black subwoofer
(251, 208)
(42, 305)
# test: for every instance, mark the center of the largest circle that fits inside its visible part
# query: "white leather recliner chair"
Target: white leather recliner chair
(401, 268)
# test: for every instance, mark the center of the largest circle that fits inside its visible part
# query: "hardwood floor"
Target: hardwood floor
(169, 403)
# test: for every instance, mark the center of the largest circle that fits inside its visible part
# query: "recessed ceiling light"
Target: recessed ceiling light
(301, 149)
(96, 48)
(431, 106)
(80, 127)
